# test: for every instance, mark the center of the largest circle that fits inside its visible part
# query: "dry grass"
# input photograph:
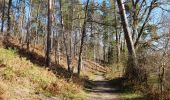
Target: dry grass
(20, 72)
(155, 94)
(3, 90)
(65, 90)
(114, 72)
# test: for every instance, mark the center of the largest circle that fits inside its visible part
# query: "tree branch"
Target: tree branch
(146, 19)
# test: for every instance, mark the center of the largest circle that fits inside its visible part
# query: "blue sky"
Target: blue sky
(99, 1)
(157, 12)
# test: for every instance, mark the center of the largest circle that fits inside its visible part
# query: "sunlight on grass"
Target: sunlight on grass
(114, 71)
(152, 79)
(131, 96)
(44, 81)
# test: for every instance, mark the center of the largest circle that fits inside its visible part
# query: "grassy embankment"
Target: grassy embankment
(19, 78)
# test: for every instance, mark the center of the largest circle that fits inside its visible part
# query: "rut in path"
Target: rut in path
(102, 89)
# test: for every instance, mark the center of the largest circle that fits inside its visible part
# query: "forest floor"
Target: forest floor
(24, 77)
(101, 89)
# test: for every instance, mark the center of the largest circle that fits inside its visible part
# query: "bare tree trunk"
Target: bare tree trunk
(58, 51)
(118, 48)
(161, 77)
(48, 49)
(9, 17)
(104, 54)
(133, 72)
(22, 26)
(126, 29)
(29, 27)
(28, 36)
(75, 44)
(37, 24)
(82, 38)
(144, 23)
(3, 15)
(6, 40)
(117, 35)
(64, 38)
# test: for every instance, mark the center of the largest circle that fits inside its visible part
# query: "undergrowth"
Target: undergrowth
(44, 81)
(114, 70)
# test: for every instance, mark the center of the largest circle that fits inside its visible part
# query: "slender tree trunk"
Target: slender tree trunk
(6, 40)
(14, 25)
(64, 38)
(104, 53)
(58, 51)
(22, 26)
(37, 24)
(117, 36)
(75, 44)
(118, 48)
(144, 23)
(3, 15)
(82, 38)
(28, 36)
(9, 17)
(29, 27)
(48, 49)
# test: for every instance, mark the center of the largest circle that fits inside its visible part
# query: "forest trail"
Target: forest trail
(101, 89)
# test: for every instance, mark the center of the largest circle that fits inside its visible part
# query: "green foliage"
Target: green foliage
(8, 73)
(8, 54)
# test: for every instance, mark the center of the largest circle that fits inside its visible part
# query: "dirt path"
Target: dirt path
(101, 89)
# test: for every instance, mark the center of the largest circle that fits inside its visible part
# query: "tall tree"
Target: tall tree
(28, 36)
(64, 36)
(82, 38)
(48, 48)
(9, 17)
(132, 68)
(3, 15)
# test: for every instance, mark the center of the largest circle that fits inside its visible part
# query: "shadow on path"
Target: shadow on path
(102, 89)
(106, 86)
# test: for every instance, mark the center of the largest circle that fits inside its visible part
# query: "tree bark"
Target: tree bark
(6, 39)
(3, 15)
(117, 36)
(126, 29)
(9, 17)
(48, 51)
(64, 38)
(133, 72)
(144, 23)
(82, 38)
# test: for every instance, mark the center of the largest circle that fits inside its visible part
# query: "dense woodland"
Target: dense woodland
(129, 36)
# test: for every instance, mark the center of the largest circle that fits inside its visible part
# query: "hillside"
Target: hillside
(84, 50)
(22, 80)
